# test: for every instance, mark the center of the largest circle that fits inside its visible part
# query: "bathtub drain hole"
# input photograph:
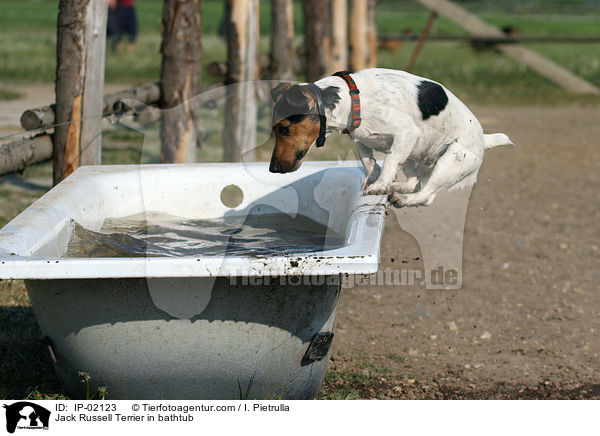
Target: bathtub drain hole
(232, 196)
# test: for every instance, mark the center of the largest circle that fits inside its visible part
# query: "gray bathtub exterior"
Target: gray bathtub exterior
(254, 335)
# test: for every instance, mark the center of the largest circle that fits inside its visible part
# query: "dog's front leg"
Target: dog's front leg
(370, 165)
(396, 156)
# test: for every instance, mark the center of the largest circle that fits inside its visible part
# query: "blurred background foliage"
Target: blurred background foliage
(28, 39)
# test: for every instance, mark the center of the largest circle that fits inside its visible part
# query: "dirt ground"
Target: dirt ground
(526, 322)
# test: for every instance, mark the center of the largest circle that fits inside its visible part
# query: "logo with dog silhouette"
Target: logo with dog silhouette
(26, 415)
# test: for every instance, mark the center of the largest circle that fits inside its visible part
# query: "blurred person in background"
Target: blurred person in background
(111, 24)
(125, 22)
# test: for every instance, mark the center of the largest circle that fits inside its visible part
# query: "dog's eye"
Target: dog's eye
(284, 130)
(300, 154)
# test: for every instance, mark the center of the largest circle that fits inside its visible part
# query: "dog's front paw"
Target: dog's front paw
(397, 199)
(372, 177)
(377, 188)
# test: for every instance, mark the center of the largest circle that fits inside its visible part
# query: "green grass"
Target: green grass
(8, 95)
(396, 357)
(14, 200)
(362, 380)
(25, 369)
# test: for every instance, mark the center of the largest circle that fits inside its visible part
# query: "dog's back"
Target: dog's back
(435, 110)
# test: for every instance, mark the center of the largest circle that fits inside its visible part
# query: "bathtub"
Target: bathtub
(204, 327)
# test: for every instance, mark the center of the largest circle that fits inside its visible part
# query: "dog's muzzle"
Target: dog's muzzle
(274, 166)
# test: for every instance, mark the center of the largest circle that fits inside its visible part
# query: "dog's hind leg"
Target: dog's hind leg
(412, 174)
(397, 155)
(457, 167)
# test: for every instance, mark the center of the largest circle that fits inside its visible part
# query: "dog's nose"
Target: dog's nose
(274, 168)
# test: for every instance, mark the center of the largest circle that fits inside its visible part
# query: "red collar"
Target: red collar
(354, 96)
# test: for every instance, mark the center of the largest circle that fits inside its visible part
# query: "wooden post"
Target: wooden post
(80, 50)
(317, 38)
(424, 34)
(283, 53)
(371, 35)
(542, 65)
(239, 133)
(180, 79)
(358, 35)
(339, 35)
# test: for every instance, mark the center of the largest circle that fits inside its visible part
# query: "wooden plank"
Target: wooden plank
(339, 35)
(493, 39)
(18, 155)
(180, 78)
(542, 65)
(148, 93)
(239, 132)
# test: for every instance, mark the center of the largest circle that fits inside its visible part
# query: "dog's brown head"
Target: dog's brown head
(296, 123)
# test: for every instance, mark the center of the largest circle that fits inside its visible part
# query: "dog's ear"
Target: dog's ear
(277, 92)
(297, 101)
(330, 96)
(298, 97)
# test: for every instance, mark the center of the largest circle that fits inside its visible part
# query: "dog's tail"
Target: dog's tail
(496, 140)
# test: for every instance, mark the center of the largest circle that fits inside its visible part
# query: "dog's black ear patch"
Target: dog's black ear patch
(278, 91)
(295, 97)
(293, 105)
(330, 96)
(432, 99)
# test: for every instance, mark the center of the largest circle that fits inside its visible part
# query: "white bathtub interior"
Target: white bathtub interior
(325, 192)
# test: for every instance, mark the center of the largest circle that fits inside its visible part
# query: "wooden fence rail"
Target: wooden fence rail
(491, 39)
(540, 64)
(18, 155)
(44, 117)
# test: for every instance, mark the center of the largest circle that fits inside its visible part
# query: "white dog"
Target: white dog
(421, 127)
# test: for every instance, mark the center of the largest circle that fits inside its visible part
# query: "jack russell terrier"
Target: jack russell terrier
(419, 125)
